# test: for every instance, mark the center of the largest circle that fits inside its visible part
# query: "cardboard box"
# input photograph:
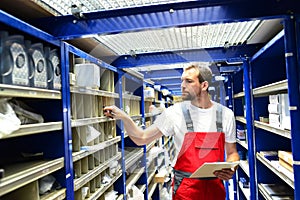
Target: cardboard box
(286, 165)
(286, 156)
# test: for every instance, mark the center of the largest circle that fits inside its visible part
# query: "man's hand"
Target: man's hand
(224, 174)
(114, 112)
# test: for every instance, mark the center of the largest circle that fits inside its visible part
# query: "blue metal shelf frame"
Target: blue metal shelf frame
(174, 15)
(206, 55)
(120, 131)
(67, 121)
(250, 129)
(292, 66)
(23, 27)
(20, 25)
(229, 92)
(86, 56)
(272, 47)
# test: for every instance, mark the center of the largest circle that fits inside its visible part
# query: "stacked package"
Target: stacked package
(279, 115)
(286, 160)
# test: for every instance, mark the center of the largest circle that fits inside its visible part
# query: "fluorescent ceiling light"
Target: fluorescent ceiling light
(63, 7)
(182, 38)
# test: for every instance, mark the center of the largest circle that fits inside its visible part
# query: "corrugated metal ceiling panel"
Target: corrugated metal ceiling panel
(180, 38)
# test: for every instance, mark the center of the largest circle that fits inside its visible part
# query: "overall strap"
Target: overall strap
(187, 117)
(219, 118)
(189, 122)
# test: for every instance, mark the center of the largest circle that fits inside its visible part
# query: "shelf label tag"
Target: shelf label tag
(293, 108)
(296, 162)
(68, 175)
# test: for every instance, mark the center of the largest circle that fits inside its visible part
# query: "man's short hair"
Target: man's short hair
(203, 70)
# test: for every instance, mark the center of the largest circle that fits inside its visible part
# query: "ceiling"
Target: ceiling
(157, 37)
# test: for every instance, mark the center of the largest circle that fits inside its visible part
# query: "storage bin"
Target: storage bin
(87, 75)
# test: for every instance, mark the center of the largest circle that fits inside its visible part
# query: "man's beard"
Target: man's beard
(187, 96)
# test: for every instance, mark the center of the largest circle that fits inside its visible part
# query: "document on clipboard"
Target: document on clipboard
(207, 169)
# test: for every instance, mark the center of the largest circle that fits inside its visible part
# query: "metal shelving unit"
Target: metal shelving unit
(57, 131)
(258, 87)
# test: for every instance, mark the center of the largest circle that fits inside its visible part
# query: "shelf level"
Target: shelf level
(275, 170)
(150, 145)
(278, 131)
(80, 182)
(82, 90)
(102, 189)
(268, 196)
(134, 177)
(242, 143)
(271, 46)
(30, 129)
(131, 97)
(239, 95)
(56, 195)
(151, 175)
(20, 174)
(245, 166)
(274, 88)
(132, 156)
(151, 189)
(28, 92)
(240, 119)
(246, 191)
(88, 121)
(84, 153)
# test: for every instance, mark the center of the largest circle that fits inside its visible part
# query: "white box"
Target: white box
(274, 108)
(285, 104)
(276, 98)
(275, 120)
(87, 75)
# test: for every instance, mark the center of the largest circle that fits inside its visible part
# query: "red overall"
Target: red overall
(197, 148)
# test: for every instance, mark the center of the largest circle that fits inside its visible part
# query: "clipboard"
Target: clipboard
(207, 169)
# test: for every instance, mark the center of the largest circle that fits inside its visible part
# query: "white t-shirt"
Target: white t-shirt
(172, 122)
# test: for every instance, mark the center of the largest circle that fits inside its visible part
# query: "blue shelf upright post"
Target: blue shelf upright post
(230, 92)
(292, 69)
(121, 183)
(250, 129)
(230, 106)
(67, 121)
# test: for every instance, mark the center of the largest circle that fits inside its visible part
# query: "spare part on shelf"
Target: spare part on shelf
(14, 61)
(53, 68)
(37, 65)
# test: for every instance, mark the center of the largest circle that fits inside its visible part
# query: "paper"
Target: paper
(207, 169)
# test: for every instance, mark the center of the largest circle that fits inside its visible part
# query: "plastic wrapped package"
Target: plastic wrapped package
(84, 191)
(45, 184)
(136, 193)
(87, 75)
(164, 194)
(92, 134)
(113, 167)
(9, 122)
(25, 114)
(112, 195)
